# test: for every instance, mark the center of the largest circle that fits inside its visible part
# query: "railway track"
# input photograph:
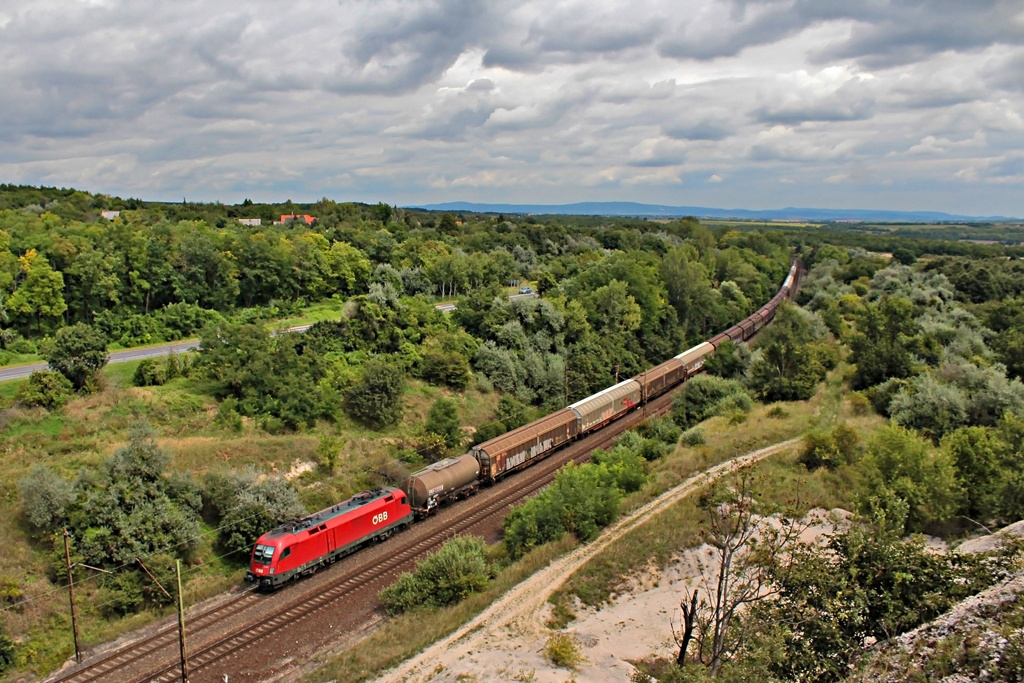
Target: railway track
(102, 668)
(206, 649)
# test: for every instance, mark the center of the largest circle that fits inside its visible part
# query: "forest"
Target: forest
(192, 456)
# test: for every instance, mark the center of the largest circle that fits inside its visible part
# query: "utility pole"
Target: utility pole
(181, 624)
(565, 382)
(71, 595)
(644, 394)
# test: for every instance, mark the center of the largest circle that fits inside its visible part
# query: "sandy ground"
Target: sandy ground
(505, 643)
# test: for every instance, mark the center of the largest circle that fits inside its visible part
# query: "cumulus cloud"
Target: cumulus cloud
(758, 102)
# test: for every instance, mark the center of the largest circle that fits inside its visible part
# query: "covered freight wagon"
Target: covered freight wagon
(693, 358)
(661, 377)
(447, 479)
(607, 405)
(303, 546)
(514, 450)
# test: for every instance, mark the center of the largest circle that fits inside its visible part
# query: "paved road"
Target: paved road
(23, 371)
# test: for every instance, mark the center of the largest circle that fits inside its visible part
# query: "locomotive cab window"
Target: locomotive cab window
(286, 553)
(263, 554)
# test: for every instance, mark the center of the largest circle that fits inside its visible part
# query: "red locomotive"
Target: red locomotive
(300, 548)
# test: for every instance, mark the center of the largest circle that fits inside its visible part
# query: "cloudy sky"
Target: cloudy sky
(876, 104)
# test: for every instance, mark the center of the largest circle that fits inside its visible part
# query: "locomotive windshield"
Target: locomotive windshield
(263, 554)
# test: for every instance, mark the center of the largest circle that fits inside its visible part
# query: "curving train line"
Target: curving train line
(300, 548)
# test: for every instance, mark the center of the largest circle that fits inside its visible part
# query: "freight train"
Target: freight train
(301, 547)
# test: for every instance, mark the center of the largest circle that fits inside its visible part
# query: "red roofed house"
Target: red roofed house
(289, 217)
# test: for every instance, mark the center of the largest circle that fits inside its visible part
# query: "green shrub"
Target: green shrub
(841, 446)
(700, 397)
(126, 591)
(488, 431)
(901, 466)
(245, 505)
(694, 438)
(446, 369)
(45, 389)
(120, 594)
(149, 373)
(178, 365)
(7, 650)
(376, 398)
(185, 320)
(628, 467)
(10, 592)
(729, 361)
(227, 414)
(272, 425)
(777, 412)
(661, 428)
(511, 412)
(580, 501)
(443, 420)
(445, 577)
(564, 651)
(22, 346)
(739, 402)
(131, 506)
(881, 395)
(859, 403)
(138, 330)
(78, 352)
(736, 417)
(45, 498)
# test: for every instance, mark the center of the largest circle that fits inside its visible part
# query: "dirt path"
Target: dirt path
(514, 623)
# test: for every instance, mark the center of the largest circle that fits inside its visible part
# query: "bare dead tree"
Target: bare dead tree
(686, 628)
(743, 548)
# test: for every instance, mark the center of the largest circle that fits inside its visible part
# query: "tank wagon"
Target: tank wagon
(443, 481)
(299, 548)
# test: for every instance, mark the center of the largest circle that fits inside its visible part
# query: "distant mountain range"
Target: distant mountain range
(661, 211)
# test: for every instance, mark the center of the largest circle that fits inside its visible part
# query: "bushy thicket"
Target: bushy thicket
(443, 421)
(867, 582)
(705, 396)
(153, 372)
(376, 398)
(244, 505)
(78, 352)
(830, 449)
(583, 498)
(924, 360)
(279, 376)
(793, 355)
(445, 577)
(128, 508)
(45, 389)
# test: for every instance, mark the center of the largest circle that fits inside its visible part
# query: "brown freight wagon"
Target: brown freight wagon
(520, 447)
(661, 377)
